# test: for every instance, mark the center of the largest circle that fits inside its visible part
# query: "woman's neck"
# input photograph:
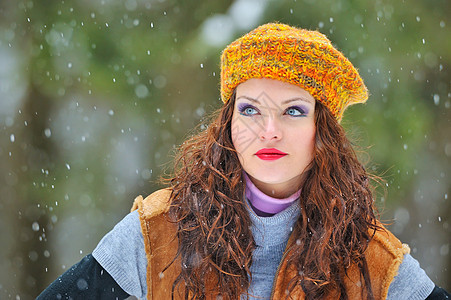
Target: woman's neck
(265, 205)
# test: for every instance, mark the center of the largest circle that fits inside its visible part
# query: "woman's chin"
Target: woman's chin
(270, 179)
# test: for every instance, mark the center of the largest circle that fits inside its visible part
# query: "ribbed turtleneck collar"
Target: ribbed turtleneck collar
(263, 204)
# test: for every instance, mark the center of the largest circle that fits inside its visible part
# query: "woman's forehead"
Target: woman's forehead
(262, 90)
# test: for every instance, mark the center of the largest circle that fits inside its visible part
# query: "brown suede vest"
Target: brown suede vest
(384, 255)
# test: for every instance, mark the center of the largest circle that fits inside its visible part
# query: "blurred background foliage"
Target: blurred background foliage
(95, 95)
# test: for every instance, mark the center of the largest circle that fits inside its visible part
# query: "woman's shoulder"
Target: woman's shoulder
(383, 257)
(153, 205)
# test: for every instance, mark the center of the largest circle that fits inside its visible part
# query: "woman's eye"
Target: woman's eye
(248, 111)
(296, 112)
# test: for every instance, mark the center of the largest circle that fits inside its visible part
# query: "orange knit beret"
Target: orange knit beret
(301, 57)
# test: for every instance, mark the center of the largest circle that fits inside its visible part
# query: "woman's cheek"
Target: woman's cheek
(242, 135)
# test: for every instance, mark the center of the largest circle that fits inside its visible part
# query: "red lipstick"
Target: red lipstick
(270, 154)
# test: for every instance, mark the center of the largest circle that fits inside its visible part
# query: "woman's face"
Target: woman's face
(273, 131)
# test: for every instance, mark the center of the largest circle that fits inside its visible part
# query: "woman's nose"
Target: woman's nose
(270, 129)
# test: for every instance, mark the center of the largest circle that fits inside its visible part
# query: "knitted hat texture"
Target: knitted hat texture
(301, 57)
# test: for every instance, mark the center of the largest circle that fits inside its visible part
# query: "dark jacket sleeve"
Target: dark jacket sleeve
(84, 280)
(438, 294)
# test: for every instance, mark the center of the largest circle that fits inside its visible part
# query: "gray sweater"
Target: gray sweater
(121, 252)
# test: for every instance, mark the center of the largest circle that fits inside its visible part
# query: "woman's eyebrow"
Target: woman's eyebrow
(249, 98)
(283, 102)
(298, 99)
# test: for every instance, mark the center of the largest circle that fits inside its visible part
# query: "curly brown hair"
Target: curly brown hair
(214, 236)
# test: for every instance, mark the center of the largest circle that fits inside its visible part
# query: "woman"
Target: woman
(269, 202)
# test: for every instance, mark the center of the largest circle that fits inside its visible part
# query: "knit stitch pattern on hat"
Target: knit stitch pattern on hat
(301, 57)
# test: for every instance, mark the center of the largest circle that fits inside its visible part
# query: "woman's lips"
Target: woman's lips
(270, 154)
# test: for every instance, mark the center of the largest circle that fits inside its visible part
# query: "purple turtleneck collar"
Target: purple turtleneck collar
(264, 205)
